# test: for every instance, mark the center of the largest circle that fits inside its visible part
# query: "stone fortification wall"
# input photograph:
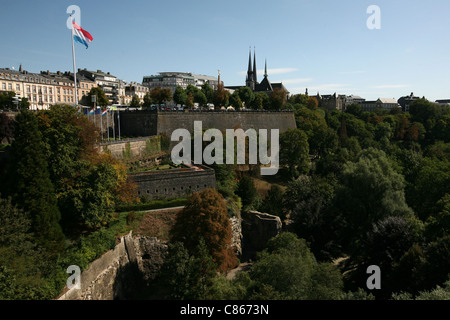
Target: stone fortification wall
(144, 123)
(118, 273)
(137, 260)
(173, 183)
(132, 148)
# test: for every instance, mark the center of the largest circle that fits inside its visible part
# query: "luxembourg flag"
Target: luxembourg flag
(80, 35)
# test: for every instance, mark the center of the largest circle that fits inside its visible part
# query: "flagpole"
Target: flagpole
(107, 122)
(74, 68)
(101, 122)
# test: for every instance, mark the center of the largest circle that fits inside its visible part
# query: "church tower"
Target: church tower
(255, 78)
(250, 81)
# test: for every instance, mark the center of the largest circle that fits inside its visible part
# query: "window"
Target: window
(58, 91)
(9, 86)
(28, 89)
(4, 86)
(17, 87)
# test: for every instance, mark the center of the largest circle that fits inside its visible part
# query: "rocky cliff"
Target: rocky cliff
(136, 260)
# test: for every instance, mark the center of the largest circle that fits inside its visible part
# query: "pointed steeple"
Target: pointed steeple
(249, 71)
(265, 70)
(254, 66)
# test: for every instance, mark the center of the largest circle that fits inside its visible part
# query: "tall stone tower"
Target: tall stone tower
(250, 80)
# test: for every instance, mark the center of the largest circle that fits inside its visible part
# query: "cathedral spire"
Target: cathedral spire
(265, 70)
(254, 66)
(249, 71)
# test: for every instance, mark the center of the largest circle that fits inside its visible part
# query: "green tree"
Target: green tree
(135, 102)
(23, 104)
(246, 95)
(294, 152)
(370, 191)
(247, 192)
(30, 184)
(290, 269)
(6, 128)
(161, 95)
(205, 216)
(423, 110)
(321, 139)
(147, 103)
(208, 92)
(278, 99)
(200, 98)
(180, 96)
(272, 201)
(220, 97)
(85, 182)
(309, 203)
(7, 100)
(260, 101)
(235, 101)
(187, 276)
(429, 184)
(101, 100)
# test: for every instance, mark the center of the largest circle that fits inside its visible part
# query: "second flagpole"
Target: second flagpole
(74, 69)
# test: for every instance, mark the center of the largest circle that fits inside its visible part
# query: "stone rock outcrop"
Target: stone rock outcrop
(257, 229)
(236, 231)
(150, 253)
(120, 273)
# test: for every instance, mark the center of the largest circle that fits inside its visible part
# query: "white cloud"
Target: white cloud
(391, 86)
(295, 80)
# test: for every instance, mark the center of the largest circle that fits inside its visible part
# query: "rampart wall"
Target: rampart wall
(146, 123)
(173, 183)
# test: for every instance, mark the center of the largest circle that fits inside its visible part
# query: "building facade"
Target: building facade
(406, 101)
(45, 88)
(135, 89)
(331, 102)
(172, 80)
(113, 87)
(381, 103)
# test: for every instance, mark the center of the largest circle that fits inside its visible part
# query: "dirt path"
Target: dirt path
(242, 267)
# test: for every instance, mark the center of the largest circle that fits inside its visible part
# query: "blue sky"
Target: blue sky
(323, 45)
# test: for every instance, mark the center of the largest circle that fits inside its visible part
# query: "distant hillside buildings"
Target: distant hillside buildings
(341, 102)
(172, 80)
(47, 88)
